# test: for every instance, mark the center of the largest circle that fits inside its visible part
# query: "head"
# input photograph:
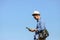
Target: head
(36, 15)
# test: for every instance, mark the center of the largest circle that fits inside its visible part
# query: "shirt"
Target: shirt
(40, 26)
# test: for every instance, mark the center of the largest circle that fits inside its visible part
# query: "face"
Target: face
(37, 17)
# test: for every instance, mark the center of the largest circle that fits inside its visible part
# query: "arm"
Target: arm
(33, 30)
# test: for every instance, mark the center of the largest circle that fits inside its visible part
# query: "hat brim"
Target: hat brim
(35, 14)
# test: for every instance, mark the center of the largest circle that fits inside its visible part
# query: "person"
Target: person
(40, 26)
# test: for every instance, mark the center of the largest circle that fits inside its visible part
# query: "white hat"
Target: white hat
(36, 13)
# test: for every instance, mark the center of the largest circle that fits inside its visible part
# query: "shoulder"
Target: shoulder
(41, 21)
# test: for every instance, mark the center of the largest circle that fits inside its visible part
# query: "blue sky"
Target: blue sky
(16, 15)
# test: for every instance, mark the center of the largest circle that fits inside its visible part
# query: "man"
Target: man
(39, 28)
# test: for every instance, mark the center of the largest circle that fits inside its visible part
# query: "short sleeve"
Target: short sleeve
(42, 25)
